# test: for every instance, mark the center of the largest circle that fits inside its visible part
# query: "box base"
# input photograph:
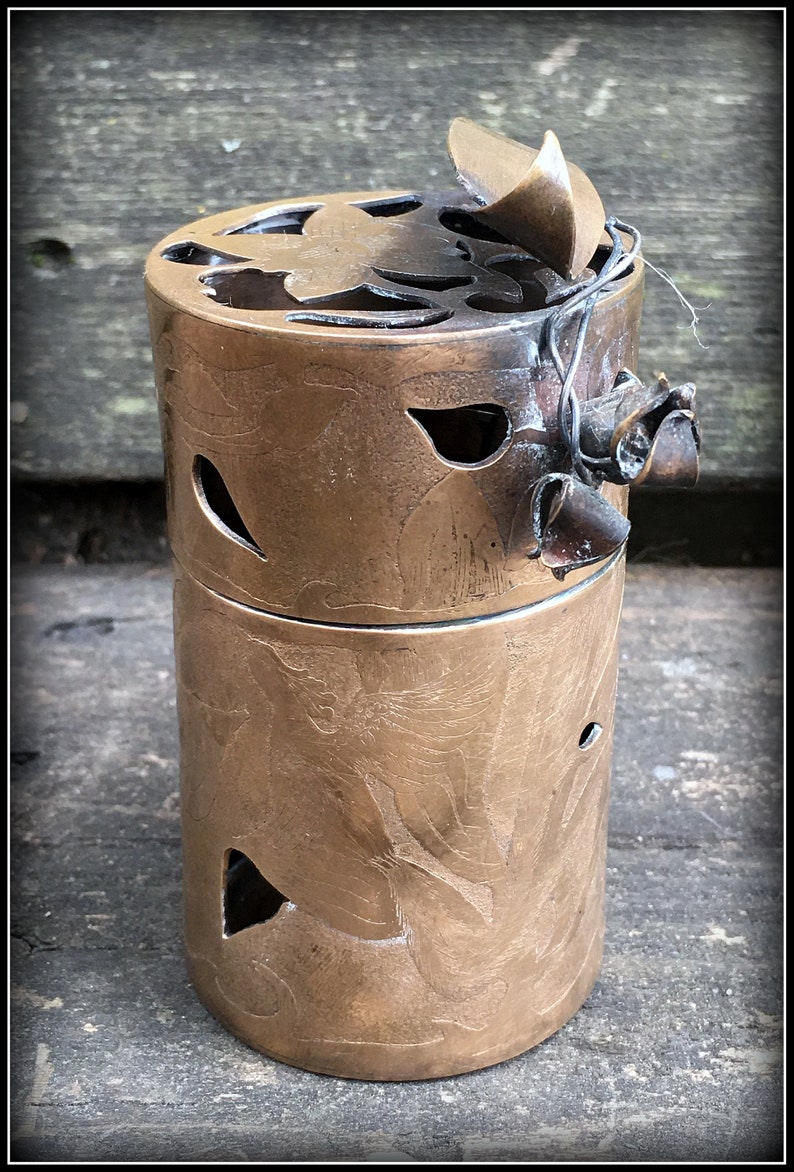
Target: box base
(394, 838)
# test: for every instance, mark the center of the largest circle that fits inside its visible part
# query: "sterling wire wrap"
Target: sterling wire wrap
(568, 411)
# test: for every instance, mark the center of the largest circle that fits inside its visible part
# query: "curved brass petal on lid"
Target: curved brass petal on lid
(533, 197)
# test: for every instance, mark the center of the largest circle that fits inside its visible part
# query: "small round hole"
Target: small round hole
(590, 734)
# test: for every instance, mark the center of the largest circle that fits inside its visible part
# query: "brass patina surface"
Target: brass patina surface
(533, 196)
(430, 806)
(399, 432)
(345, 510)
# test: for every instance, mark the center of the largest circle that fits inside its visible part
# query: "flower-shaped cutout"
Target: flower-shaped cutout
(342, 249)
(388, 260)
(357, 259)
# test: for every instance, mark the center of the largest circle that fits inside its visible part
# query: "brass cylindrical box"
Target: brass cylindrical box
(395, 722)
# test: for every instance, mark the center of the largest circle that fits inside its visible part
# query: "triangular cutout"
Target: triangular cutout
(248, 898)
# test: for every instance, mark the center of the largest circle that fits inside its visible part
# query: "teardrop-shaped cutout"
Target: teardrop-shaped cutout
(217, 502)
(466, 435)
(589, 735)
(391, 207)
(188, 253)
(248, 898)
(288, 222)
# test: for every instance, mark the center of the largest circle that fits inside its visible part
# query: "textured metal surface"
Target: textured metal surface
(427, 809)
(116, 141)
(388, 260)
(308, 426)
(398, 590)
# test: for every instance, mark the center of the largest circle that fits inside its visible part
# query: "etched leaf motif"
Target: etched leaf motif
(465, 558)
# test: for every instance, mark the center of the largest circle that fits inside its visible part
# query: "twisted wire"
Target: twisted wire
(568, 407)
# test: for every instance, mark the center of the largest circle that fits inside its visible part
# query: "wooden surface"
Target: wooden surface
(676, 1053)
(128, 125)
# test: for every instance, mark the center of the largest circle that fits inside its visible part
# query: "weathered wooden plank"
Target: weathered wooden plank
(119, 523)
(676, 1053)
(127, 125)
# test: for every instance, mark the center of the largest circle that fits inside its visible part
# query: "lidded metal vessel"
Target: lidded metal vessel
(396, 612)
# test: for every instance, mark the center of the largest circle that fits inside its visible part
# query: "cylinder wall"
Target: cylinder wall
(395, 839)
